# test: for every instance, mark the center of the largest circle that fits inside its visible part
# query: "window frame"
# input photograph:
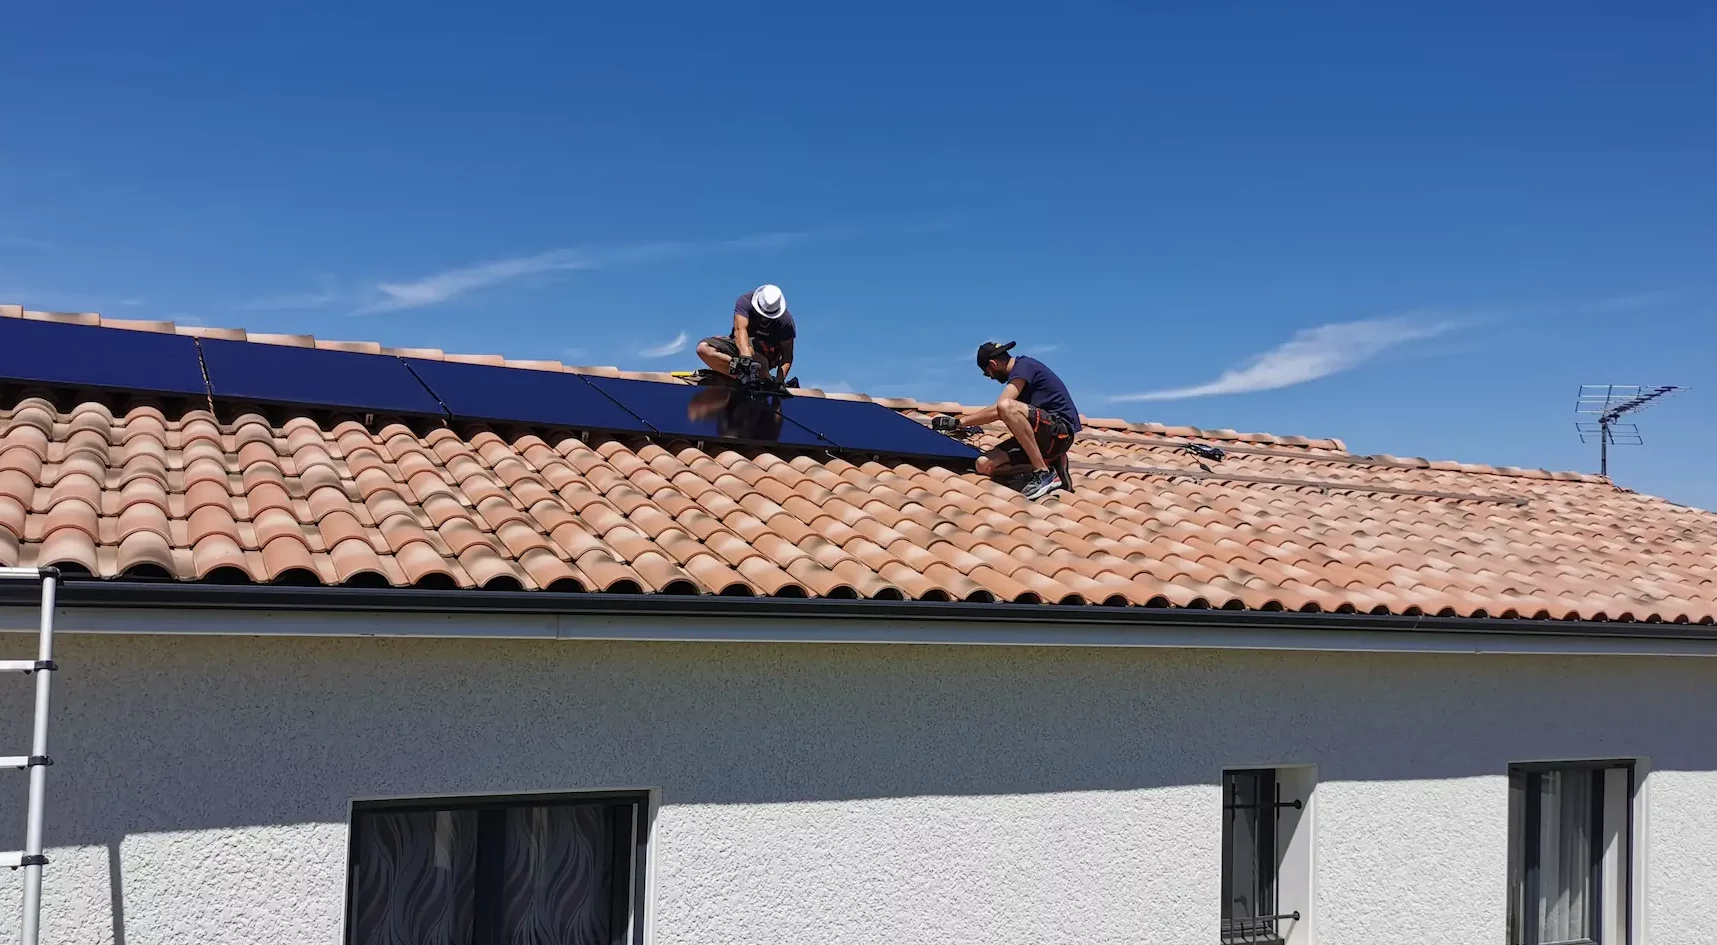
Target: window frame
(630, 847)
(1264, 929)
(1525, 846)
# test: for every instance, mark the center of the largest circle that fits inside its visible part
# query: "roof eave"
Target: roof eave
(157, 595)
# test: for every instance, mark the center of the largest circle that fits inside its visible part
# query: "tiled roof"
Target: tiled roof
(121, 488)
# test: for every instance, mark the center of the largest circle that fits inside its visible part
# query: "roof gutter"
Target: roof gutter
(117, 606)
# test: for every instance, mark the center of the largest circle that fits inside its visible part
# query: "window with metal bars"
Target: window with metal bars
(1569, 827)
(1252, 803)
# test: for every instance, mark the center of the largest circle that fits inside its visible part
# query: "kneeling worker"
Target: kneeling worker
(1037, 410)
(761, 340)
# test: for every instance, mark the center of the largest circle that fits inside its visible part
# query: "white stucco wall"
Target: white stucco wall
(844, 793)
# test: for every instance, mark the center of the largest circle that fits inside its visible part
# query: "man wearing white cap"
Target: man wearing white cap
(761, 340)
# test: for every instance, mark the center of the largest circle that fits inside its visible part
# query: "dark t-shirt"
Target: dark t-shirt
(767, 332)
(1044, 390)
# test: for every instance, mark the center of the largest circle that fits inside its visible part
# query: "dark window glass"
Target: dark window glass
(519, 874)
(1249, 856)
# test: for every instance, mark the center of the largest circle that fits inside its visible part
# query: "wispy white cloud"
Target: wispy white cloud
(327, 294)
(671, 348)
(568, 355)
(966, 357)
(936, 224)
(1311, 354)
(131, 302)
(449, 284)
(771, 240)
(26, 242)
(326, 298)
(833, 387)
(1638, 300)
(54, 301)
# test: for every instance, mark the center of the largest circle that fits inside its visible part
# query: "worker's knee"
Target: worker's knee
(1013, 408)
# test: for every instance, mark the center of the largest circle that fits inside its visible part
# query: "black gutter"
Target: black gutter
(115, 594)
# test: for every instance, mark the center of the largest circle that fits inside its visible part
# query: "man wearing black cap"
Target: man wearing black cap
(1036, 408)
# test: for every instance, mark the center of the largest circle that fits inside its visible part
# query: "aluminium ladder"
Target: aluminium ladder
(31, 858)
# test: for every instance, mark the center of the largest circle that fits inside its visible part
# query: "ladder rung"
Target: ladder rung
(25, 666)
(14, 761)
(12, 859)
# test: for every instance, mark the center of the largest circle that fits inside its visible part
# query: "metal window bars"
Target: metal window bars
(31, 859)
(1257, 929)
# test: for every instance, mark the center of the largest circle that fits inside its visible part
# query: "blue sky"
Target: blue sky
(1418, 230)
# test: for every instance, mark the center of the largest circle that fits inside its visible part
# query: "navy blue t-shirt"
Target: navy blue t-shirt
(1044, 390)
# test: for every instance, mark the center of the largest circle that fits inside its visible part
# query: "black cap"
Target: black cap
(990, 351)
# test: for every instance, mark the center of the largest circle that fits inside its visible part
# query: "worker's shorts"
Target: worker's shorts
(726, 345)
(1053, 434)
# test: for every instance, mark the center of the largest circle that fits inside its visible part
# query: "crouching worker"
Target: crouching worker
(1036, 408)
(761, 340)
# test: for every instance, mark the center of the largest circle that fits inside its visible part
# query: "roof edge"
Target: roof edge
(80, 594)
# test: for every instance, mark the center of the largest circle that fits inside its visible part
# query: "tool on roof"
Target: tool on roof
(1205, 451)
(761, 383)
(31, 859)
(944, 423)
(1609, 403)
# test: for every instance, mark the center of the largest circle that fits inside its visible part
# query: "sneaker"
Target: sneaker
(1040, 484)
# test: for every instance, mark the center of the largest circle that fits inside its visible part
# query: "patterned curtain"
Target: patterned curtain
(559, 886)
(415, 878)
(1565, 856)
(515, 876)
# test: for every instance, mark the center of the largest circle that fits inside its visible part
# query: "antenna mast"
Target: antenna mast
(1609, 403)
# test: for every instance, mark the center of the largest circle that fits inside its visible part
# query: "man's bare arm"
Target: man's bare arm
(742, 335)
(993, 413)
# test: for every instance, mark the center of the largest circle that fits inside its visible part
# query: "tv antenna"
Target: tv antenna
(1609, 403)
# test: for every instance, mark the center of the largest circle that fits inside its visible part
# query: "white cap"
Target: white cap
(768, 301)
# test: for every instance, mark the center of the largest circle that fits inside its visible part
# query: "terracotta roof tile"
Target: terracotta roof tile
(1282, 522)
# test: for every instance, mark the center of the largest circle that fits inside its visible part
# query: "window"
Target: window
(1261, 883)
(1569, 853)
(521, 870)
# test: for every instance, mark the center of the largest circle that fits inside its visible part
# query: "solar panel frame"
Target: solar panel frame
(523, 395)
(88, 356)
(750, 418)
(60, 354)
(255, 372)
(864, 427)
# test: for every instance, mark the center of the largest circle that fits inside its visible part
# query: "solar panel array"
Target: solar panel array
(116, 359)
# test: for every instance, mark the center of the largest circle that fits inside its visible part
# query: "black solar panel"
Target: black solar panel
(707, 413)
(109, 358)
(482, 392)
(122, 359)
(248, 370)
(872, 428)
